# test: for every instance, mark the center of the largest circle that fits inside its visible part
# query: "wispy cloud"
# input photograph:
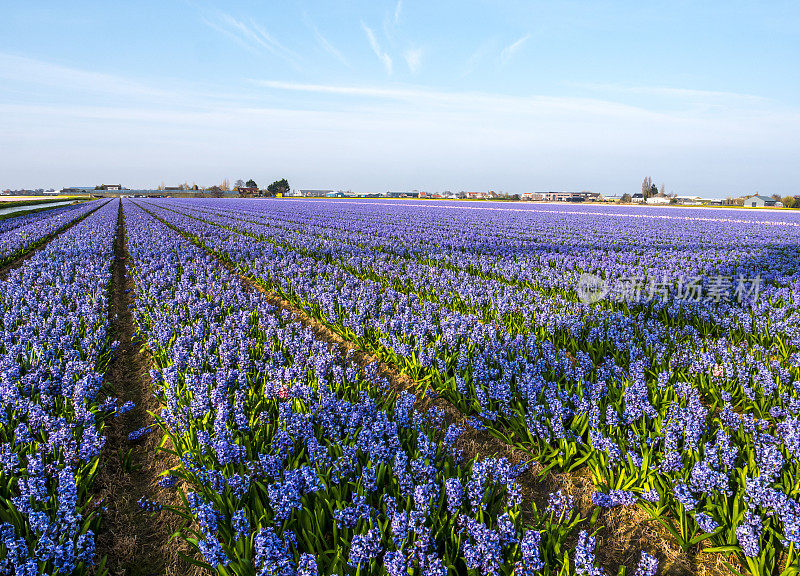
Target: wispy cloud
(679, 114)
(481, 52)
(251, 36)
(397, 11)
(510, 50)
(670, 92)
(69, 84)
(16, 69)
(325, 43)
(376, 47)
(413, 57)
(501, 103)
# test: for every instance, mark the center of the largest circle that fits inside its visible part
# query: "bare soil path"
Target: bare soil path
(136, 543)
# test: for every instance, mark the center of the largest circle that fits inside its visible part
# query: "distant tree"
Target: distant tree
(653, 191)
(626, 198)
(195, 187)
(251, 183)
(789, 201)
(663, 191)
(776, 197)
(279, 187)
(647, 183)
(239, 183)
(225, 187)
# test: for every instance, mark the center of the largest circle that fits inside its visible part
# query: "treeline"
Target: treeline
(279, 187)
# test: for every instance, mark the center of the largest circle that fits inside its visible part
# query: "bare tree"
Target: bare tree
(647, 183)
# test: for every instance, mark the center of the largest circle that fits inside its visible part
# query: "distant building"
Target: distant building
(474, 195)
(761, 202)
(570, 196)
(247, 191)
(412, 194)
(332, 194)
(689, 200)
(658, 200)
(110, 187)
(78, 190)
(582, 197)
(314, 193)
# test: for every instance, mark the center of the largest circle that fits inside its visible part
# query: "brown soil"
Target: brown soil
(624, 531)
(136, 543)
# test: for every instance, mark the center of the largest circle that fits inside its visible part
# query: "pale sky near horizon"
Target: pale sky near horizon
(375, 96)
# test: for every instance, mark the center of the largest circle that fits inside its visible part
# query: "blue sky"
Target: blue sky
(375, 96)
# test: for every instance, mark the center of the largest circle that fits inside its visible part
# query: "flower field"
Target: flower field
(19, 234)
(54, 346)
(674, 387)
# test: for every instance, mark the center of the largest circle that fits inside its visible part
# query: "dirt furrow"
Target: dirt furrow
(136, 542)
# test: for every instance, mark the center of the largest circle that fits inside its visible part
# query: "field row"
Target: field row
(54, 349)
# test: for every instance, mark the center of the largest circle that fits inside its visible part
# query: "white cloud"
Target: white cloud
(477, 101)
(376, 47)
(325, 43)
(413, 57)
(509, 51)
(251, 36)
(480, 54)
(15, 69)
(397, 10)
(685, 94)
